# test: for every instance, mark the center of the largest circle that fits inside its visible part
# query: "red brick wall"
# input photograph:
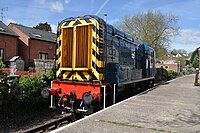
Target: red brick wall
(23, 43)
(23, 51)
(29, 48)
(37, 46)
(173, 67)
(10, 46)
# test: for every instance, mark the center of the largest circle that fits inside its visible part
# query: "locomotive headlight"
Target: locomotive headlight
(87, 98)
(45, 93)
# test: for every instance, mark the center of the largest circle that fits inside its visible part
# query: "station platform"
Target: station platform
(173, 107)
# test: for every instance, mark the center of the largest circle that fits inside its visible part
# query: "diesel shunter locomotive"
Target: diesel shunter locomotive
(91, 54)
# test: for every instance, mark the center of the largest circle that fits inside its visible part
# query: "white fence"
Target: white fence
(47, 64)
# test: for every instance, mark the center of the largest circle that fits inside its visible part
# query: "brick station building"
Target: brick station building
(34, 43)
(169, 65)
(8, 43)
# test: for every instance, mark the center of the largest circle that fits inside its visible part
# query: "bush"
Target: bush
(172, 74)
(23, 97)
(164, 75)
(30, 89)
(20, 102)
(189, 70)
(3, 88)
(161, 75)
(3, 85)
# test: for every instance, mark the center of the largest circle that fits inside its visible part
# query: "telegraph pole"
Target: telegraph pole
(2, 10)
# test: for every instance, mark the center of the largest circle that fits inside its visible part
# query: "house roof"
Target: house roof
(36, 33)
(4, 29)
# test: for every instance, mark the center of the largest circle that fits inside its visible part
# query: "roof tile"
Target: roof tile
(36, 33)
(4, 29)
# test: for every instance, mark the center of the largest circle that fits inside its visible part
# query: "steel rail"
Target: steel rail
(49, 126)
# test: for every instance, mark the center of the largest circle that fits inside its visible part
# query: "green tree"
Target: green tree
(43, 26)
(195, 59)
(153, 27)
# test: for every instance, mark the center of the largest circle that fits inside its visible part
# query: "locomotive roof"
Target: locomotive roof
(86, 17)
(119, 32)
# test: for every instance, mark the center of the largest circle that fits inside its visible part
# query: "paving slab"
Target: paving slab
(173, 107)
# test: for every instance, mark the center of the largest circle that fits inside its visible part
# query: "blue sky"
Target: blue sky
(32, 12)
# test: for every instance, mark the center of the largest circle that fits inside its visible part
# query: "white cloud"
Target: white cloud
(41, 2)
(54, 28)
(188, 39)
(189, 36)
(67, 1)
(57, 6)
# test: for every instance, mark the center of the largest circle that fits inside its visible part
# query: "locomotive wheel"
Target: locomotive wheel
(89, 109)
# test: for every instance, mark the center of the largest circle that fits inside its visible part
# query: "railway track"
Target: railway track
(68, 118)
(51, 125)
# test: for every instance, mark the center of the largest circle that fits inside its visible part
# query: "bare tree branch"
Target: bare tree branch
(153, 27)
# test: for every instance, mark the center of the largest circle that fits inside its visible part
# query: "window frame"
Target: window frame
(41, 55)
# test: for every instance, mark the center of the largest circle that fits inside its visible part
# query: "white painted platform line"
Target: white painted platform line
(61, 128)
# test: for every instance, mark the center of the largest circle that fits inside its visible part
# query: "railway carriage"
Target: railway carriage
(91, 54)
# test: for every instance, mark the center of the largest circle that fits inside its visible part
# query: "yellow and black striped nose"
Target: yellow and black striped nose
(80, 50)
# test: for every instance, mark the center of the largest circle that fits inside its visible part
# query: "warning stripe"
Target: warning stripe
(97, 62)
(82, 75)
(96, 54)
(99, 70)
(70, 74)
(97, 51)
